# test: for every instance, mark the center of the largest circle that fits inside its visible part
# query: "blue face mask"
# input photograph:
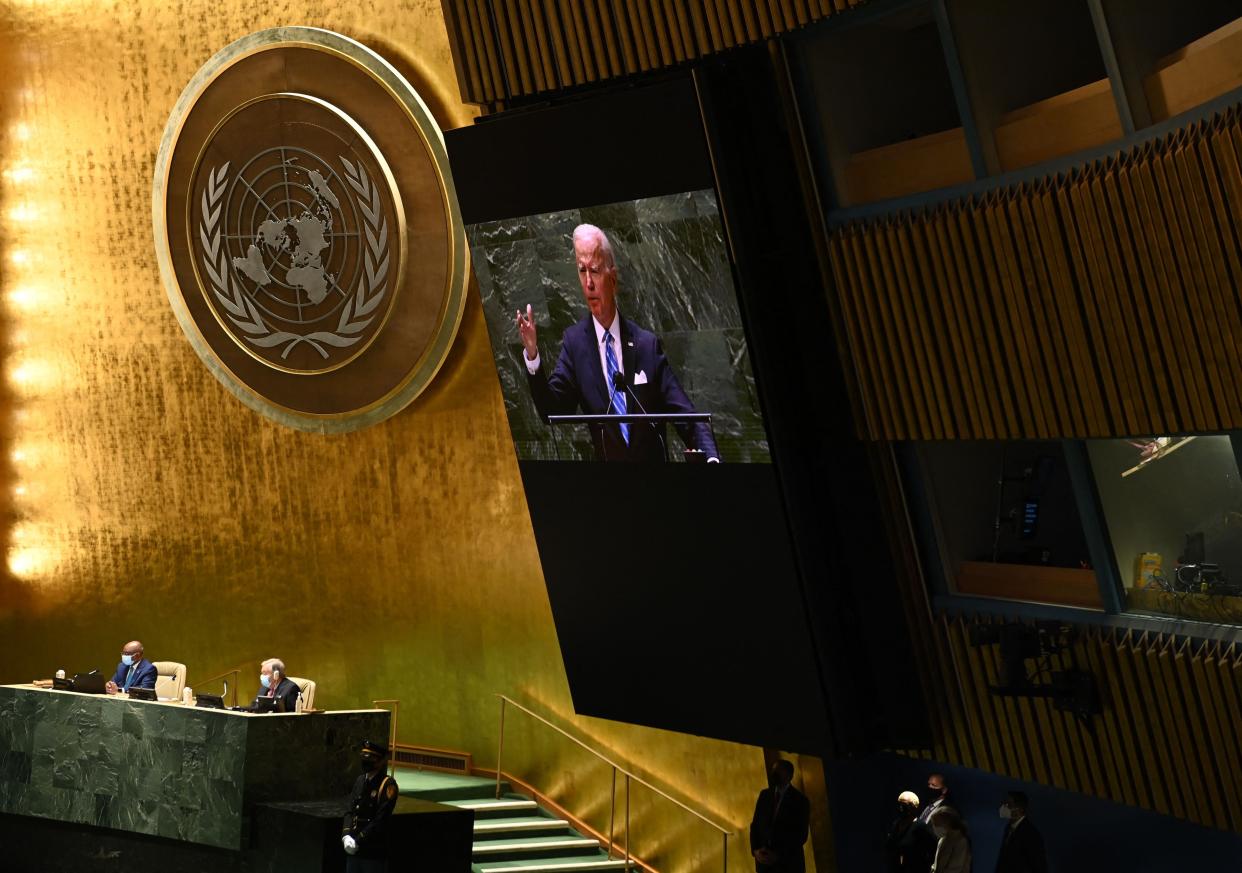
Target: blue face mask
(127, 660)
(266, 680)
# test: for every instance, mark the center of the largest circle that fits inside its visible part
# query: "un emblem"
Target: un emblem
(316, 261)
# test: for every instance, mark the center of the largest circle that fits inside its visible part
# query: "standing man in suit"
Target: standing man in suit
(134, 671)
(610, 365)
(781, 823)
(1022, 849)
(937, 797)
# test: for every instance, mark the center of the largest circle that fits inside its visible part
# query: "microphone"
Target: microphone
(619, 383)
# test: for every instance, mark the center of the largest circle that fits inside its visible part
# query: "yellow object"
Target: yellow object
(1148, 568)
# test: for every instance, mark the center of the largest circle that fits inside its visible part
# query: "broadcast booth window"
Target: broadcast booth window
(598, 245)
(1003, 521)
(1173, 510)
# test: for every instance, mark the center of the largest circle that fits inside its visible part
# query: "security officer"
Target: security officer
(364, 834)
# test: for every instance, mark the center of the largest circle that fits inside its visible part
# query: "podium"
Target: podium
(165, 770)
(653, 419)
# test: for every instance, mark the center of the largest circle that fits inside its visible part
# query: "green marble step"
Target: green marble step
(524, 826)
(584, 864)
(533, 847)
(512, 832)
(447, 786)
(506, 807)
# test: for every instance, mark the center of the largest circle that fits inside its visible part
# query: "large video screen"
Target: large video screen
(599, 215)
(620, 309)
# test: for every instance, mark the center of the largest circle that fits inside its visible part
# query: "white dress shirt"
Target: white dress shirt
(532, 367)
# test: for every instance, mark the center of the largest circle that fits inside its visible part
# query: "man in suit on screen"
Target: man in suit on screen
(610, 365)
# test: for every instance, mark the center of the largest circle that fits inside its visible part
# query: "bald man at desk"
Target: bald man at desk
(134, 671)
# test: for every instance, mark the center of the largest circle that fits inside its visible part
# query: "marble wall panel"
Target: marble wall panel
(186, 774)
(674, 279)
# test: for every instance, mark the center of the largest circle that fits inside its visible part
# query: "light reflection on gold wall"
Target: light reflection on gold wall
(140, 499)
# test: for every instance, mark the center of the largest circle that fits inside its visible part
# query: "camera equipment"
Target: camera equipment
(1070, 690)
(1195, 574)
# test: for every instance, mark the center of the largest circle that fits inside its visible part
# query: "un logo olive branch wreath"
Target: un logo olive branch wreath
(359, 309)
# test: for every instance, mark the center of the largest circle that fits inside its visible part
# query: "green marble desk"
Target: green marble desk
(168, 770)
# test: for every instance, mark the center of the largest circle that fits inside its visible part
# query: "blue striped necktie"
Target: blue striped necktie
(618, 396)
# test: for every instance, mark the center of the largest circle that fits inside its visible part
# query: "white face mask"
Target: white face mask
(1005, 811)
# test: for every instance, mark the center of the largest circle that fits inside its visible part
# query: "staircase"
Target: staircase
(513, 833)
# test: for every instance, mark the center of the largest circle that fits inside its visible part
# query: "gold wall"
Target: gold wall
(142, 500)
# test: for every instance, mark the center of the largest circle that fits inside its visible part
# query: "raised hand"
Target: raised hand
(526, 330)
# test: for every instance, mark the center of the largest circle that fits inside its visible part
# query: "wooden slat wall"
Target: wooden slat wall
(1167, 739)
(518, 48)
(1106, 302)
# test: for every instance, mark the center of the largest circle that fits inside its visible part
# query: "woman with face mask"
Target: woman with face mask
(953, 848)
(910, 844)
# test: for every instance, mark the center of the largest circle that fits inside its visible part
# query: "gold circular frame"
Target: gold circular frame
(428, 362)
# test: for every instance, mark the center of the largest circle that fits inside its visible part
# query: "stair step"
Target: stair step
(518, 826)
(530, 846)
(566, 866)
(490, 806)
(443, 787)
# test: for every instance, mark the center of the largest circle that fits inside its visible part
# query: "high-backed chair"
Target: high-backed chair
(169, 679)
(307, 687)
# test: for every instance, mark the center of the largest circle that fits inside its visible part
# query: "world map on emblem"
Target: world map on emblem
(295, 251)
(302, 240)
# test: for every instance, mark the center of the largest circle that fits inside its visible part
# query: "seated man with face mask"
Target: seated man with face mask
(284, 692)
(134, 671)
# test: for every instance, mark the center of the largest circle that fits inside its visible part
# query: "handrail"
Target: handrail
(614, 764)
(234, 673)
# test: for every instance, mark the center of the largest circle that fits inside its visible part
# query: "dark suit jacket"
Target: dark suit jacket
(931, 807)
(1022, 850)
(784, 832)
(286, 695)
(144, 675)
(577, 382)
(910, 846)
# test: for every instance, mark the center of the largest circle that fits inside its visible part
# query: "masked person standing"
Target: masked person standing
(365, 831)
(937, 797)
(910, 845)
(780, 824)
(953, 854)
(1022, 848)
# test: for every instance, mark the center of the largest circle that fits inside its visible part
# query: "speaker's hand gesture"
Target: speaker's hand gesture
(526, 330)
